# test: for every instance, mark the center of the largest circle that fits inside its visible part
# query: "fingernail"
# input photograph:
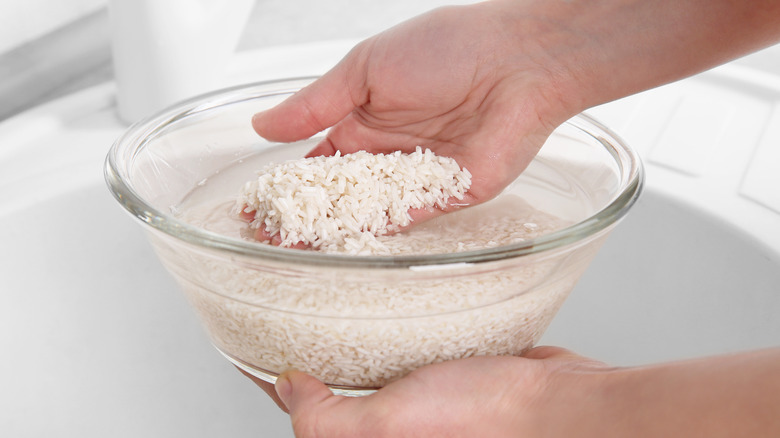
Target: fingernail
(283, 388)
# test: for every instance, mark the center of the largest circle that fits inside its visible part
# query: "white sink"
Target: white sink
(695, 268)
(97, 341)
(672, 282)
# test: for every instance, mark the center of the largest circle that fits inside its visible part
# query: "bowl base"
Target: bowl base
(270, 377)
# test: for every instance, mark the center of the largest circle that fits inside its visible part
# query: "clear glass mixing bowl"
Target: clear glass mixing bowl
(359, 322)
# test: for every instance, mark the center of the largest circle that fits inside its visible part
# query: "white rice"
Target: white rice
(368, 327)
(341, 203)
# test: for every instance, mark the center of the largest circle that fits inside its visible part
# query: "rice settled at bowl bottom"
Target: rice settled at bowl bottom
(365, 328)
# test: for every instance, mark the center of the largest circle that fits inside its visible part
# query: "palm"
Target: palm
(450, 97)
(478, 396)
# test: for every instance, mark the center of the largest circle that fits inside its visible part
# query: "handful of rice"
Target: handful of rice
(341, 203)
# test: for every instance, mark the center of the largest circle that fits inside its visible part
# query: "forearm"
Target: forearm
(726, 396)
(601, 50)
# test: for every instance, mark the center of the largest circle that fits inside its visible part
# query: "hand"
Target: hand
(448, 80)
(479, 396)
(486, 84)
(549, 392)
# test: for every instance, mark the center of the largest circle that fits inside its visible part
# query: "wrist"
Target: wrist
(598, 51)
(541, 51)
(575, 399)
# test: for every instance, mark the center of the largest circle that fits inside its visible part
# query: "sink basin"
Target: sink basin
(98, 341)
(672, 282)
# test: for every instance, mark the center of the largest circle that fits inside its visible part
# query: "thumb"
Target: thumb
(301, 392)
(318, 106)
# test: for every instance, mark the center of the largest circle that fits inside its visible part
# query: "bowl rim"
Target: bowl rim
(628, 161)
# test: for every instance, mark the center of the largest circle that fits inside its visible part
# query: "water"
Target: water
(542, 200)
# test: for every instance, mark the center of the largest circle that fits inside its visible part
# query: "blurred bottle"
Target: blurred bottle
(165, 51)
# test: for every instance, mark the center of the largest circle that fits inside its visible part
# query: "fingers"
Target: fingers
(320, 105)
(325, 148)
(248, 216)
(301, 396)
(314, 410)
(353, 134)
(294, 392)
(267, 387)
(261, 233)
(301, 392)
(420, 215)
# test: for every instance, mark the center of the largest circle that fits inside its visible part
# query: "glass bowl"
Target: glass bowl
(359, 322)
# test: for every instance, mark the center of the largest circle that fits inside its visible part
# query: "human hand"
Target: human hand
(474, 397)
(452, 80)
(487, 83)
(549, 392)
